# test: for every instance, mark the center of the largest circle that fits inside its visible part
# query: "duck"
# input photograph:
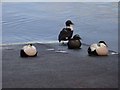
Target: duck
(98, 49)
(75, 42)
(67, 32)
(28, 51)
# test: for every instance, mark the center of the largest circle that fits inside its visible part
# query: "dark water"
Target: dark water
(29, 22)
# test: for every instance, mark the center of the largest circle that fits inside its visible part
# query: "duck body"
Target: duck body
(75, 42)
(28, 51)
(102, 51)
(99, 49)
(65, 34)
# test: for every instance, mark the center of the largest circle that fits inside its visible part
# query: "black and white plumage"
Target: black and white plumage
(28, 51)
(67, 32)
(100, 49)
(75, 42)
(92, 50)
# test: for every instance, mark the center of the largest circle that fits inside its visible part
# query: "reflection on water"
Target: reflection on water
(26, 22)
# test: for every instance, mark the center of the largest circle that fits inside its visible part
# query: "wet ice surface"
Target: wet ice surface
(69, 68)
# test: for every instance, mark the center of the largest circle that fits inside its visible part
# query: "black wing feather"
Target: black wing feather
(66, 32)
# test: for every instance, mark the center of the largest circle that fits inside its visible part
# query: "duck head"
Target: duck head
(69, 22)
(102, 43)
(76, 37)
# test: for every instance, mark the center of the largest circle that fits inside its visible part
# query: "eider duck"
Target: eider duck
(75, 42)
(28, 51)
(100, 49)
(66, 32)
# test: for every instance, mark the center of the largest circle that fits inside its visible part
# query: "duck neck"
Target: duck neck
(71, 27)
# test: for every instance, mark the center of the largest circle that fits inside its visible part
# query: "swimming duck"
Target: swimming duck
(75, 42)
(28, 51)
(100, 49)
(67, 32)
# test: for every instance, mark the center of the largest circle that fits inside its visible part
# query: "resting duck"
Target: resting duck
(75, 42)
(100, 49)
(28, 51)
